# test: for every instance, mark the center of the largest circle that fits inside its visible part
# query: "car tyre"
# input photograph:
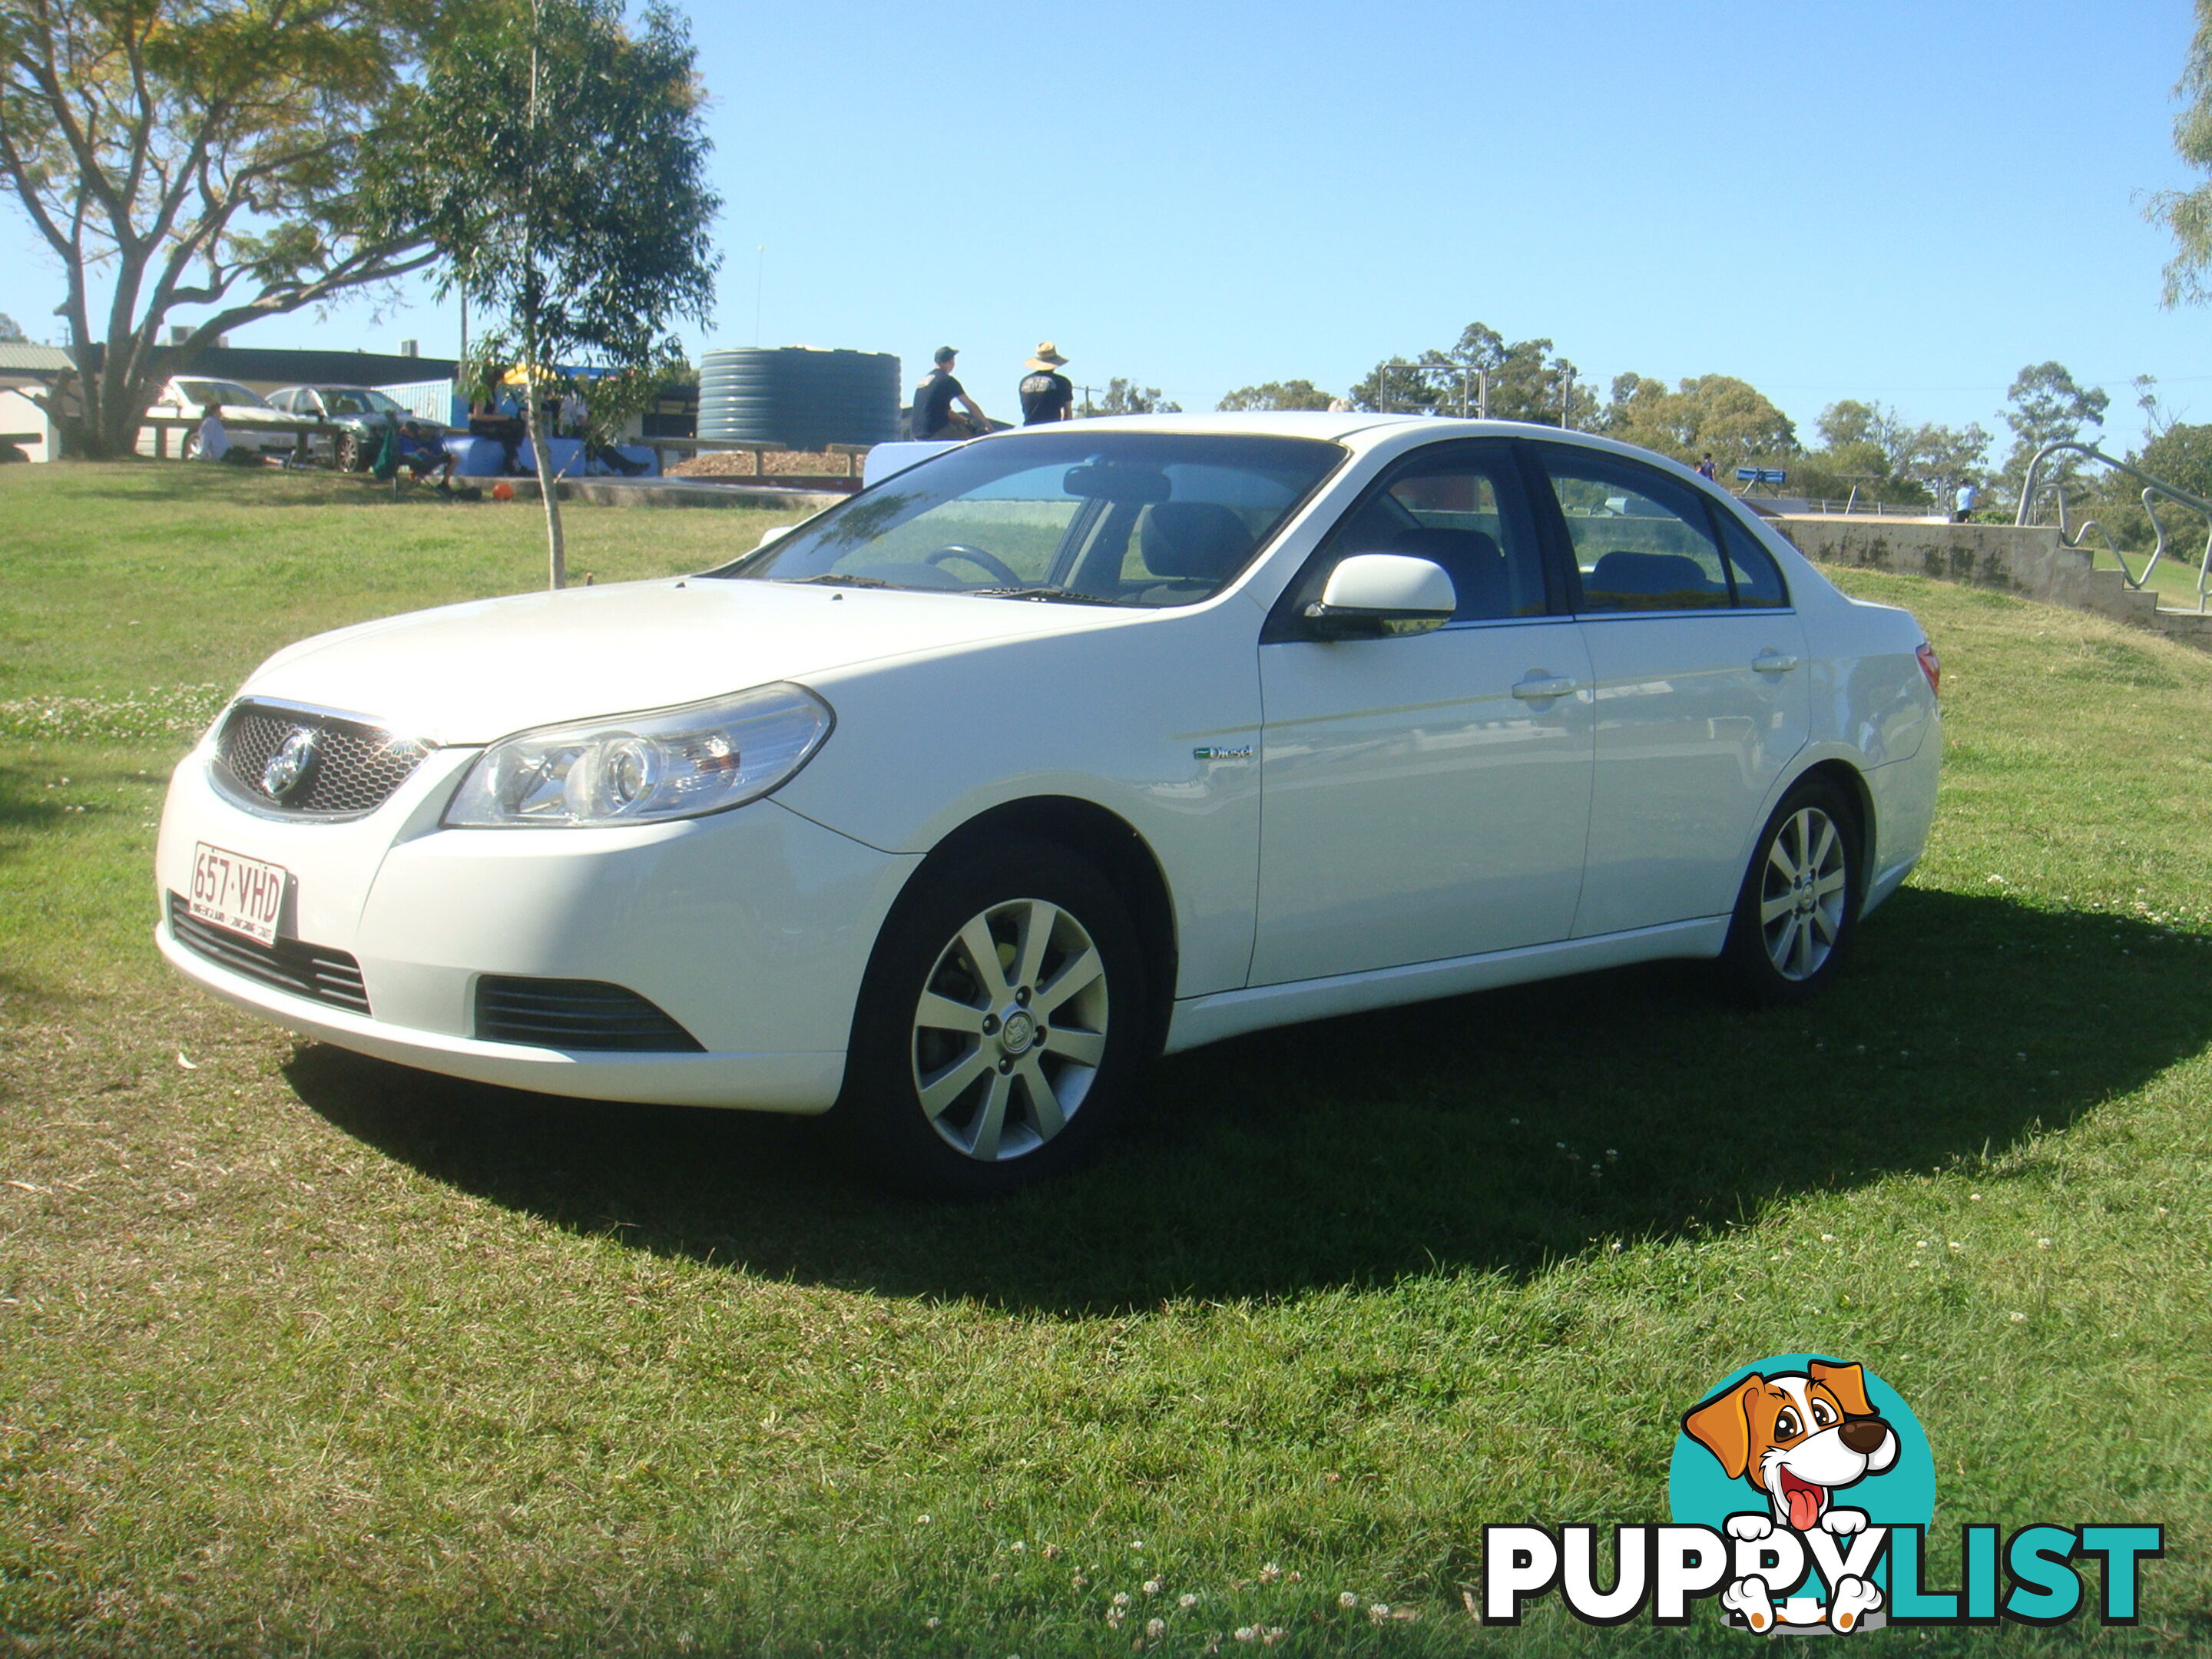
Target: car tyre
(1798, 909)
(1000, 1026)
(348, 452)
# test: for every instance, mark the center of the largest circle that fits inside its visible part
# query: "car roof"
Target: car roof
(1361, 429)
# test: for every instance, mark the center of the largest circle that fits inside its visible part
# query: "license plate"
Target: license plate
(244, 895)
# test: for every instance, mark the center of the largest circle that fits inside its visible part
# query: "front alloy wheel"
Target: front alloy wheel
(1010, 1029)
(1000, 1024)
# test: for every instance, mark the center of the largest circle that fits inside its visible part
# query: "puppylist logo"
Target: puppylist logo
(1801, 1491)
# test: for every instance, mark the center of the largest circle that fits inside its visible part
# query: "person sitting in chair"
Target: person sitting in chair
(421, 455)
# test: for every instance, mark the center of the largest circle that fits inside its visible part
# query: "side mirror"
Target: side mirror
(1375, 593)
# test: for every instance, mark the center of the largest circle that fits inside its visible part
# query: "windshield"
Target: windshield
(1101, 518)
(199, 392)
(359, 400)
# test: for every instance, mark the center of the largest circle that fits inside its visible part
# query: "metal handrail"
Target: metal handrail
(2152, 487)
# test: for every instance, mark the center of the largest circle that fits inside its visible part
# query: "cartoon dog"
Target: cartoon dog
(1798, 1437)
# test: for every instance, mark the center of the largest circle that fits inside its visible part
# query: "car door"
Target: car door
(1701, 697)
(1426, 795)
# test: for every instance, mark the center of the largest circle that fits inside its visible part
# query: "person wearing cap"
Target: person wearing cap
(932, 405)
(1046, 396)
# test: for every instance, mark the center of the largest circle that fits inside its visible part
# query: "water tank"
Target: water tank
(799, 396)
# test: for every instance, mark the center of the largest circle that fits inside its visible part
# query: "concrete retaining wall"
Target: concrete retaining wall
(2032, 563)
(2029, 563)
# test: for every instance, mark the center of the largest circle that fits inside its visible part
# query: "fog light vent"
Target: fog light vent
(575, 1013)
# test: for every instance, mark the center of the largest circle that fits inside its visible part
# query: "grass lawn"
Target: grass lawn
(303, 1352)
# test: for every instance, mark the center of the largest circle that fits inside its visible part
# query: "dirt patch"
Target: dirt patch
(745, 464)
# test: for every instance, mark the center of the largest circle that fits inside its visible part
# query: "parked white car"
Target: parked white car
(249, 419)
(949, 807)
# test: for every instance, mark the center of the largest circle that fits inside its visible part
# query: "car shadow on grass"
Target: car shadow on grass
(1496, 1132)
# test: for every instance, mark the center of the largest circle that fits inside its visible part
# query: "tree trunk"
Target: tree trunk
(557, 551)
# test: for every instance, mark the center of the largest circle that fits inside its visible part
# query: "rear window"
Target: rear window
(197, 392)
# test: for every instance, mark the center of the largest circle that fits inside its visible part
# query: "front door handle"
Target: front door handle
(1773, 662)
(1542, 688)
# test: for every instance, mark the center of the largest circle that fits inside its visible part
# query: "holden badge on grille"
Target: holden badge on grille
(289, 766)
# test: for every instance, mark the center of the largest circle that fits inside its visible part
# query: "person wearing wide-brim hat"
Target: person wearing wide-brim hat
(1047, 395)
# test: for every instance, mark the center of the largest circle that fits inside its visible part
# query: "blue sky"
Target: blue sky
(1899, 201)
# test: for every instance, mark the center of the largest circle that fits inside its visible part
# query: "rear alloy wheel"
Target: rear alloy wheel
(1800, 902)
(1000, 1021)
(348, 452)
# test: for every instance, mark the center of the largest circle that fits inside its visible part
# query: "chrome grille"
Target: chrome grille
(356, 767)
(289, 964)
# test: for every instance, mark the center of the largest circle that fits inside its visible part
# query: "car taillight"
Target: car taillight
(1932, 667)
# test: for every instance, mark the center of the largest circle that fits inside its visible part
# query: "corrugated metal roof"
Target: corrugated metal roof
(283, 366)
(32, 358)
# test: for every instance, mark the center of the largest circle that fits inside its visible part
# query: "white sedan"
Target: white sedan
(948, 808)
(250, 419)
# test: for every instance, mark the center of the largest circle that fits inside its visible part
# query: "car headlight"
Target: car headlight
(643, 769)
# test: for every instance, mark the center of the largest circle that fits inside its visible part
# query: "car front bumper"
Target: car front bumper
(751, 929)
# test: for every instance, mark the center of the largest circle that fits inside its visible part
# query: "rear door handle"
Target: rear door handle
(1542, 688)
(1773, 662)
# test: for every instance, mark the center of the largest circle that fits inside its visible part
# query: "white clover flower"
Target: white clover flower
(1270, 1573)
(1346, 1599)
(1246, 1633)
(1186, 1599)
(1120, 1598)
(1155, 1628)
(1153, 1587)
(1378, 1612)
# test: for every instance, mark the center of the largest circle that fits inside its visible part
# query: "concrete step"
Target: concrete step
(2189, 627)
(2107, 593)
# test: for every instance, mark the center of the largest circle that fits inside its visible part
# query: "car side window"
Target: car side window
(1757, 579)
(1641, 541)
(1459, 508)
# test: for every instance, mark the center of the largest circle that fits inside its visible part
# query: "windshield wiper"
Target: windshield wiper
(1042, 591)
(836, 579)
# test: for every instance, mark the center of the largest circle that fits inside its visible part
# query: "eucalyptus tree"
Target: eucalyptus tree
(2188, 213)
(1126, 397)
(2045, 406)
(1527, 380)
(560, 175)
(1277, 394)
(201, 155)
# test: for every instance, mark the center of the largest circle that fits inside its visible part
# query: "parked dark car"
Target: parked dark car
(361, 410)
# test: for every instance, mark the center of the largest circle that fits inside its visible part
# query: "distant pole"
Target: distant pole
(760, 283)
(464, 325)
